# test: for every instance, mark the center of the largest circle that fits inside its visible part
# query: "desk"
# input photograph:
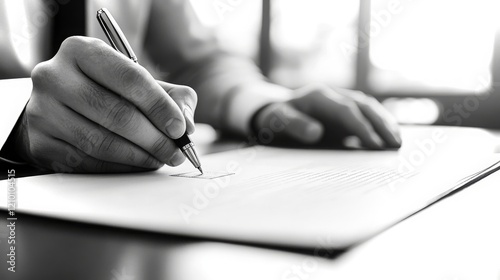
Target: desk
(455, 239)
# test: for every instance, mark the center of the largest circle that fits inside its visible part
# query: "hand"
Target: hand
(93, 110)
(322, 115)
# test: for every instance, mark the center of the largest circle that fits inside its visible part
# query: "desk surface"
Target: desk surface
(455, 239)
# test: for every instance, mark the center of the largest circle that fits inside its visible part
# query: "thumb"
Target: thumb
(284, 119)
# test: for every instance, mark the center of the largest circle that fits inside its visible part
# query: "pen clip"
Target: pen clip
(114, 34)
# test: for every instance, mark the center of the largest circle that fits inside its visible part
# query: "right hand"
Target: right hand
(94, 110)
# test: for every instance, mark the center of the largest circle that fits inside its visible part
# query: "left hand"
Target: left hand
(320, 114)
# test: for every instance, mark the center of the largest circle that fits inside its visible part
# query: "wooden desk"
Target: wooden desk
(455, 239)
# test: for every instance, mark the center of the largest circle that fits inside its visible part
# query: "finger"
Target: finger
(283, 118)
(383, 123)
(128, 79)
(62, 157)
(186, 98)
(332, 109)
(357, 124)
(98, 142)
(119, 116)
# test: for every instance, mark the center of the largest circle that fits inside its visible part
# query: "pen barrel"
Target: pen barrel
(187, 148)
(182, 141)
(191, 155)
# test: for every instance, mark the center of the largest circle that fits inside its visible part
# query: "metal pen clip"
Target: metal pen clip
(114, 34)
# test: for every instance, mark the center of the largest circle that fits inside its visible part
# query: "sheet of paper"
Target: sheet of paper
(11, 110)
(205, 175)
(272, 195)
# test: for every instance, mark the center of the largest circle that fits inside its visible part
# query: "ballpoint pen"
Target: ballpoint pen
(119, 42)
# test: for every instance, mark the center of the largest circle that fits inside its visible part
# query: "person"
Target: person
(89, 101)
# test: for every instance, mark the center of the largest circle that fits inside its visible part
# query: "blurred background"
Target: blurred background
(428, 61)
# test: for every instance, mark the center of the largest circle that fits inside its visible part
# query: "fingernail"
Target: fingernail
(188, 114)
(174, 128)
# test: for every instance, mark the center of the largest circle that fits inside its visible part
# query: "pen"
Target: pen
(119, 42)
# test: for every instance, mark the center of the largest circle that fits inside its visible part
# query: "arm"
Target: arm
(232, 92)
(224, 82)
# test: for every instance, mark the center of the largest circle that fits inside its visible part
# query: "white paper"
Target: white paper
(276, 196)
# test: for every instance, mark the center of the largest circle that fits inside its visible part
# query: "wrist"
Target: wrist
(246, 103)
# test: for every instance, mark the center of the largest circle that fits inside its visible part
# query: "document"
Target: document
(276, 196)
(10, 111)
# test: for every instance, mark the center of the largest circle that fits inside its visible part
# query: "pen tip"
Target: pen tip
(201, 170)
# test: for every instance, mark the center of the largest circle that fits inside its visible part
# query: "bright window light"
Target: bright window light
(21, 41)
(308, 38)
(236, 23)
(433, 46)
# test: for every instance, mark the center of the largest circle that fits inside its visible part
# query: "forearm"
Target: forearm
(230, 90)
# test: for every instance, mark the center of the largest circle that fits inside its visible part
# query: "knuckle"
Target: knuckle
(121, 116)
(86, 144)
(156, 109)
(79, 48)
(69, 43)
(130, 76)
(73, 43)
(130, 155)
(361, 96)
(42, 74)
(74, 40)
(85, 139)
(150, 162)
(162, 148)
(109, 146)
(350, 107)
(370, 100)
(189, 93)
(94, 97)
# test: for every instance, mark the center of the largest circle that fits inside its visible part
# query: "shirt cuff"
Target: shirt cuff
(247, 100)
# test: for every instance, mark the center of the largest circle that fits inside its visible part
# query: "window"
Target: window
(426, 60)
(428, 46)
